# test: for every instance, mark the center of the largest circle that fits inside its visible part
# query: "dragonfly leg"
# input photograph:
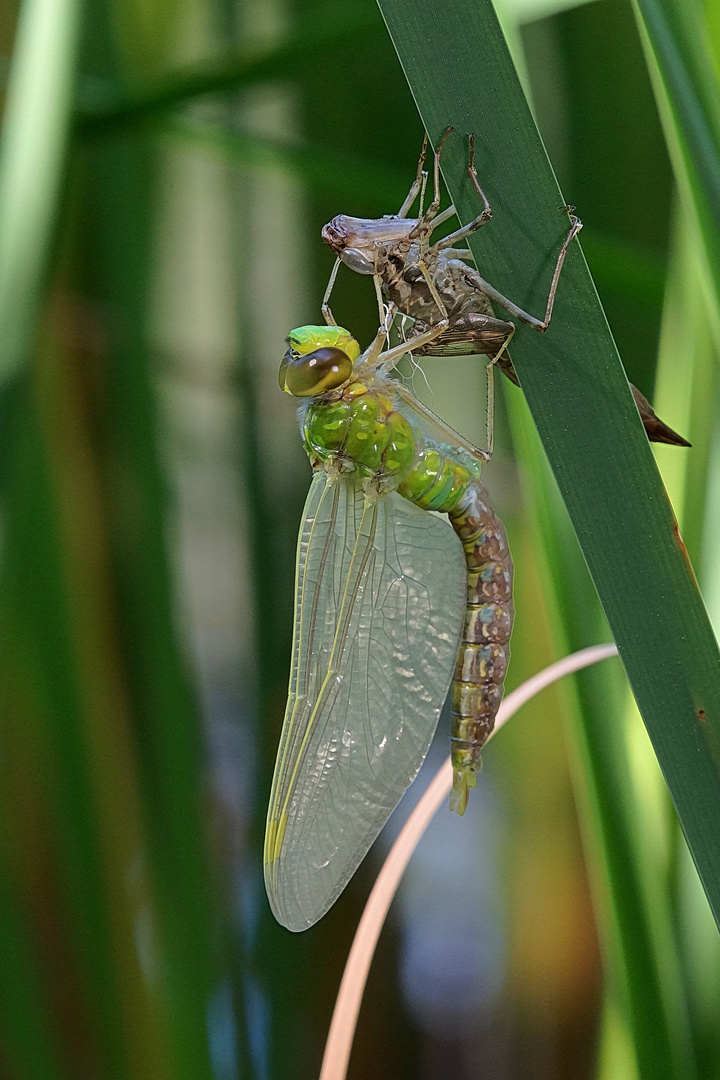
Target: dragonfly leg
(377, 281)
(417, 183)
(458, 253)
(389, 358)
(473, 279)
(490, 373)
(427, 277)
(447, 213)
(325, 307)
(431, 212)
(482, 218)
(471, 334)
(327, 313)
(374, 356)
(490, 410)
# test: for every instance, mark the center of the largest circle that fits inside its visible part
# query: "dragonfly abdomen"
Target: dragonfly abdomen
(437, 481)
(477, 686)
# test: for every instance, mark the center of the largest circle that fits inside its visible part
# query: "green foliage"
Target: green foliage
(604, 468)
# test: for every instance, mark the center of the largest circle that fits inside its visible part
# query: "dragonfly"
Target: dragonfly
(403, 589)
(430, 282)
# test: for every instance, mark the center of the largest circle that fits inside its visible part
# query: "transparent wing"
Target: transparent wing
(380, 592)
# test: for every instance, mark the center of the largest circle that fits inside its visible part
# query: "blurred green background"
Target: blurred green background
(181, 157)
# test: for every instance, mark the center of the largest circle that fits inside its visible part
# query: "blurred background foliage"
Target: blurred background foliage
(167, 167)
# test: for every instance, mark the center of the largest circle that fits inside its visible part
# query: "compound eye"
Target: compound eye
(357, 260)
(315, 372)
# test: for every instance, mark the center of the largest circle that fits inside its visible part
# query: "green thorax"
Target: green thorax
(361, 429)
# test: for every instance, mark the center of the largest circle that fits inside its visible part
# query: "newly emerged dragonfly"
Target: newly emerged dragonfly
(392, 603)
(430, 282)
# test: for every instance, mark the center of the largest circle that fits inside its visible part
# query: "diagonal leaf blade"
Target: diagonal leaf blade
(460, 73)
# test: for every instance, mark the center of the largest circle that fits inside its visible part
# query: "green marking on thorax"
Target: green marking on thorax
(366, 429)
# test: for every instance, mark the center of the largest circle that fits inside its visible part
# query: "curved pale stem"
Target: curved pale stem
(347, 1006)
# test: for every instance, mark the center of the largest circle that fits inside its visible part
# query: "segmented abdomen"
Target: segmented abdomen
(477, 686)
(437, 482)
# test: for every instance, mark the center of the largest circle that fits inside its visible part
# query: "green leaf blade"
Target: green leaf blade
(581, 403)
(460, 73)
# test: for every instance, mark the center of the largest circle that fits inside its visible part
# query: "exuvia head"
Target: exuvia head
(318, 359)
(361, 242)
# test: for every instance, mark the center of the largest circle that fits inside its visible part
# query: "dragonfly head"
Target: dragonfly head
(319, 359)
(362, 243)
